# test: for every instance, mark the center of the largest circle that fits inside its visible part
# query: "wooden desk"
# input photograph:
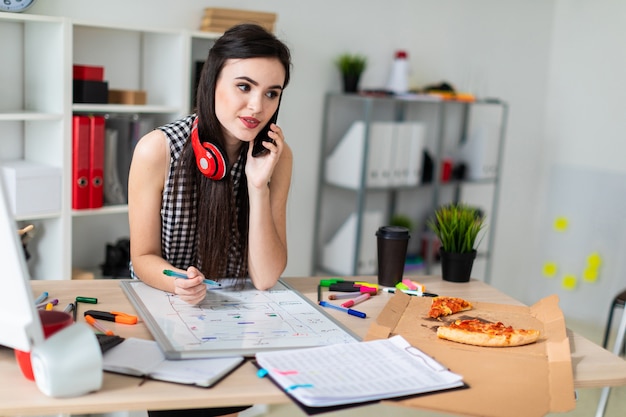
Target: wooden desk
(593, 366)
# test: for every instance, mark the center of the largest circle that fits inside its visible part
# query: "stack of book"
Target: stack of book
(219, 20)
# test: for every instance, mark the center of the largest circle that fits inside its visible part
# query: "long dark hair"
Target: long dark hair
(222, 220)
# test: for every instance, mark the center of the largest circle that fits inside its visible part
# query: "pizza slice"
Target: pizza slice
(444, 306)
(479, 333)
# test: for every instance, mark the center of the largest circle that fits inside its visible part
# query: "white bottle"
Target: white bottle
(399, 77)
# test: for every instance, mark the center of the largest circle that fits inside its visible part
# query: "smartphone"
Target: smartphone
(257, 148)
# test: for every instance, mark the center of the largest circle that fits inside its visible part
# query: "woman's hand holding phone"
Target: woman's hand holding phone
(257, 148)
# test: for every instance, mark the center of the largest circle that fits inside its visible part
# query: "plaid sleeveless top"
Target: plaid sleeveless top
(178, 211)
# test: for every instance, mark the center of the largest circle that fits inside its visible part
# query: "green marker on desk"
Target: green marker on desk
(89, 300)
(329, 281)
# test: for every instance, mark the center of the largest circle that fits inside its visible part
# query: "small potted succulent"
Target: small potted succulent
(351, 66)
(457, 226)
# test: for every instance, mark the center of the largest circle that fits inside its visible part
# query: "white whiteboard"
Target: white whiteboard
(233, 321)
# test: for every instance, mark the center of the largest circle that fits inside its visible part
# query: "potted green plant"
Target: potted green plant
(401, 220)
(351, 66)
(457, 227)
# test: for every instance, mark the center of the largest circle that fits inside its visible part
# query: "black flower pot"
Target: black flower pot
(351, 83)
(457, 267)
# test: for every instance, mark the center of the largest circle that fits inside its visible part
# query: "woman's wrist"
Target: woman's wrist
(258, 192)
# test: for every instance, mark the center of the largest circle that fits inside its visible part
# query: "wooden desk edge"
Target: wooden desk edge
(114, 395)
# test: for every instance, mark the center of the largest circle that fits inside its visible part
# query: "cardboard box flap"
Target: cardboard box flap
(561, 373)
(547, 310)
(524, 381)
(389, 317)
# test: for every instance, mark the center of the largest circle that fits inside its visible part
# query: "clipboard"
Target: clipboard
(329, 378)
(234, 320)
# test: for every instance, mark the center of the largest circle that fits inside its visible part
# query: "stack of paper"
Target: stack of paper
(356, 372)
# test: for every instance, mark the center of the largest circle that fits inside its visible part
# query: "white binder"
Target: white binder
(394, 156)
(409, 140)
(338, 253)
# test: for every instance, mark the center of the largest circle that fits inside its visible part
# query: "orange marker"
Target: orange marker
(98, 326)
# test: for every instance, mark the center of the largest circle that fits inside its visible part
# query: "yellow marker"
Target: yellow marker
(594, 260)
(561, 224)
(49, 306)
(590, 274)
(569, 282)
(550, 269)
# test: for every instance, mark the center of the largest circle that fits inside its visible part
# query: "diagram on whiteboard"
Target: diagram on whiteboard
(235, 320)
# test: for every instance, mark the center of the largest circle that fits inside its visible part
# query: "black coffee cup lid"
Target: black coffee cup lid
(393, 232)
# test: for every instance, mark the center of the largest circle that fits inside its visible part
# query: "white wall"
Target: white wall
(584, 178)
(520, 51)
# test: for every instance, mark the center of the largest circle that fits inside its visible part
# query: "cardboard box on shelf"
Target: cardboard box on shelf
(523, 381)
(137, 97)
(217, 19)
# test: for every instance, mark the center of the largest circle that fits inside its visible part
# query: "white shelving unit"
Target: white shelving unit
(352, 202)
(36, 110)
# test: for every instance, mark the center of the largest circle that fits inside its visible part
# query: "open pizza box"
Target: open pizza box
(524, 381)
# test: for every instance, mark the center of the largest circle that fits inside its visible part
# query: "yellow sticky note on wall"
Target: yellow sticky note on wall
(569, 282)
(590, 274)
(561, 224)
(550, 269)
(594, 260)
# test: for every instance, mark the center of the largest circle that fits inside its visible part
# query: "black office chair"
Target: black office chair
(618, 345)
(618, 301)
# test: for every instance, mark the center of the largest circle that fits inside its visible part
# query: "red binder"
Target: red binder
(96, 161)
(80, 162)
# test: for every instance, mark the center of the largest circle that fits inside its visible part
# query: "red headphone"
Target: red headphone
(209, 157)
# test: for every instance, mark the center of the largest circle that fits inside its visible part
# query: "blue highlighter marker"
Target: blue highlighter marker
(42, 297)
(345, 310)
(175, 274)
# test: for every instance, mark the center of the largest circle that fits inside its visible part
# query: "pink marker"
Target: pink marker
(414, 286)
(367, 290)
(356, 300)
(409, 284)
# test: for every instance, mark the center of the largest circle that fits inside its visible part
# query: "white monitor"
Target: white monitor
(58, 373)
(19, 318)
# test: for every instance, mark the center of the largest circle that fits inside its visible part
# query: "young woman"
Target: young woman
(199, 202)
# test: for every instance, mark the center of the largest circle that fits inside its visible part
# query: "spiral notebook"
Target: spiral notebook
(144, 358)
(356, 373)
